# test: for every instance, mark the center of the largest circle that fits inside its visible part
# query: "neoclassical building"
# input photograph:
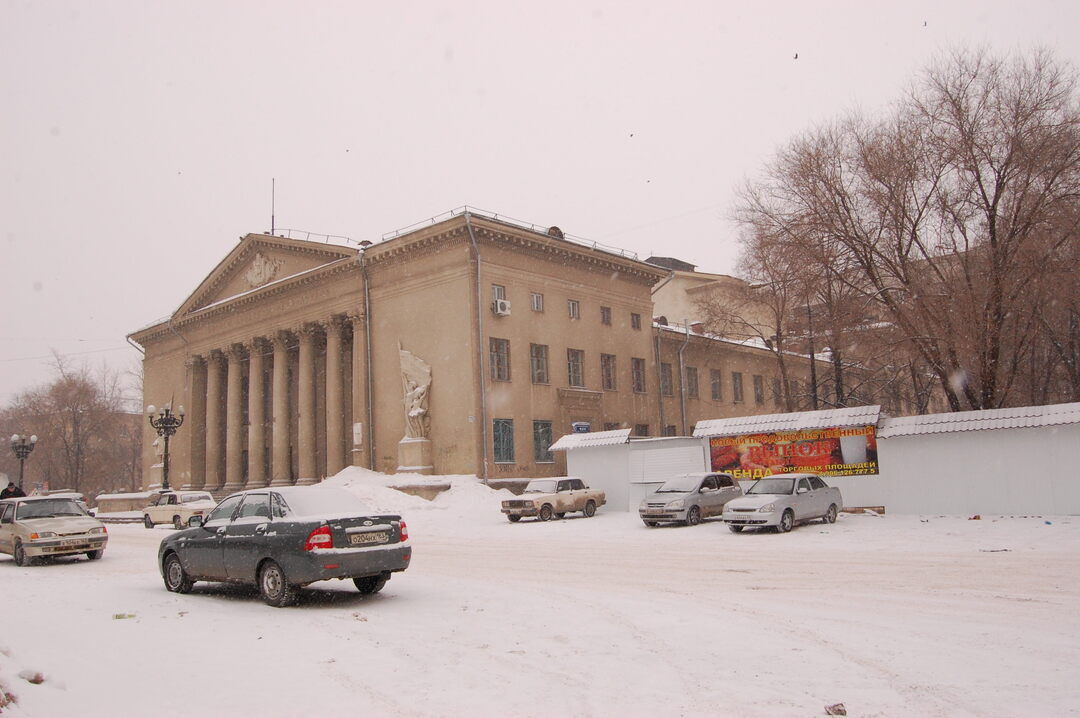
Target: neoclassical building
(466, 346)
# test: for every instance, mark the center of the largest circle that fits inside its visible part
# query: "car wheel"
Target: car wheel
(693, 516)
(19, 554)
(176, 578)
(177, 523)
(147, 522)
(652, 524)
(274, 586)
(830, 515)
(513, 518)
(590, 509)
(787, 520)
(735, 529)
(370, 584)
(96, 554)
(545, 512)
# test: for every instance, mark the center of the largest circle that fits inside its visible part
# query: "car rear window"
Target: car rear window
(321, 502)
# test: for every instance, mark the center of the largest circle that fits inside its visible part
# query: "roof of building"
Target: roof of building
(592, 438)
(672, 263)
(792, 421)
(1021, 417)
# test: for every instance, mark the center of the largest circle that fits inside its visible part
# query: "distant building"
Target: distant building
(465, 346)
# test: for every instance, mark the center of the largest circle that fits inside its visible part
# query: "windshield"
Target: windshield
(48, 508)
(192, 498)
(772, 486)
(679, 485)
(543, 486)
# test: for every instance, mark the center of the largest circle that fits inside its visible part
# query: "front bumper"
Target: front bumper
(66, 546)
(521, 511)
(752, 518)
(662, 514)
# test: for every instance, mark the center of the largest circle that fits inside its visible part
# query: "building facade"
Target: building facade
(466, 346)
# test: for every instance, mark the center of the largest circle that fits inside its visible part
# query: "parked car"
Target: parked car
(783, 500)
(35, 527)
(688, 499)
(545, 498)
(176, 507)
(281, 539)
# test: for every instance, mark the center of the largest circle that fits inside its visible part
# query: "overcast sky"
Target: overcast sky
(138, 140)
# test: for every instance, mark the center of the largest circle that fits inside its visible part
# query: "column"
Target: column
(305, 439)
(256, 415)
(335, 408)
(362, 434)
(234, 421)
(280, 470)
(215, 409)
(196, 422)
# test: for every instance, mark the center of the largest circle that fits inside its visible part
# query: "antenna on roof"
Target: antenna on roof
(272, 188)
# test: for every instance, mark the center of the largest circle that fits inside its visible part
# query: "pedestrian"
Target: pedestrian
(12, 492)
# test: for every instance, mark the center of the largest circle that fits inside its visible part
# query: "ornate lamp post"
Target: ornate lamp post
(166, 424)
(22, 446)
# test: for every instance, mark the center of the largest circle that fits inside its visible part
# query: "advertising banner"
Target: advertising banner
(848, 451)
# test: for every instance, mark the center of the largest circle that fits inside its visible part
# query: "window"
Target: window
(574, 307)
(665, 379)
(607, 371)
(500, 359)
(577, 485)
(709, 483)
(777, 396)
(575, 367)
(724, 481)
(537, 301)
(637, 375)
(635, 321)
(255, 505)
(605, 315)
(641, 429)
(691, 382)
(736, 387)
(564, 485)
(223, 512)
(716, 380)
(498, 292)
(816, 483)
(759, 389)
(538, 363)
(670, 430)
(503, 437)
(542, 442)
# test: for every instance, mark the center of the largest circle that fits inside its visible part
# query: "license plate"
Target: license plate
(369, 537)
(72, 542)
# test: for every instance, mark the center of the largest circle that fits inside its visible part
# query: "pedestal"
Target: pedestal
(414, 456)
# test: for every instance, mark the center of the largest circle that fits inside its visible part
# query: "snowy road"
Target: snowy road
(893, 616)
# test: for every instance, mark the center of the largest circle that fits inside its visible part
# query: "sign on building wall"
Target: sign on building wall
(848, 451)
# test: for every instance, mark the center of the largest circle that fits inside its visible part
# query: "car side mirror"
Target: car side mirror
(195, 521)
(803, 491)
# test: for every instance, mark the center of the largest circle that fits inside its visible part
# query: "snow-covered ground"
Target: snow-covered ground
(891, 616)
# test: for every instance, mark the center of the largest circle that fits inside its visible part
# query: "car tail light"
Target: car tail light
(404, 531)
(319, 538)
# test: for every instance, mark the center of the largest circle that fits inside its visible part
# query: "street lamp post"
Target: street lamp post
(22, 446)
(166, 423)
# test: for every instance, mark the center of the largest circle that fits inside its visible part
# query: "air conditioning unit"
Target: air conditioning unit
(501, 307)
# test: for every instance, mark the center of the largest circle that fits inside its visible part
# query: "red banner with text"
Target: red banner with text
(848, 451)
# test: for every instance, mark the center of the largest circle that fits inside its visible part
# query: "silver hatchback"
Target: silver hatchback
(689, 498)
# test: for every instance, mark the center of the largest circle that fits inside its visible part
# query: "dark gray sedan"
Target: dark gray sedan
(280, 539)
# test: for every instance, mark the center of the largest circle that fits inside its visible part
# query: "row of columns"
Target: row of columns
(222, 406)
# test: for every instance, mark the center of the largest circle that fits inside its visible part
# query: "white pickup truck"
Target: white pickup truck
(545, 498)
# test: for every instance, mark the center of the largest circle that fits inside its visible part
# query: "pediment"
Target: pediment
(259, 260)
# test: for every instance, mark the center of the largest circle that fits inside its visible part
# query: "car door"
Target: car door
(7, 515)
(203, 549)
(564, 497)
(245, 537)
(803, 500)
(820, 491)
(707, 496)
(728, 489)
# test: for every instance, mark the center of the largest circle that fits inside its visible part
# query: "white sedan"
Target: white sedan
(782, 500)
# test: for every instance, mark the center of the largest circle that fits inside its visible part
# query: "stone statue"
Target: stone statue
(415, 382)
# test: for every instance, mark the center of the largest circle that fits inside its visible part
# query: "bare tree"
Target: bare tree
(945, 215)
